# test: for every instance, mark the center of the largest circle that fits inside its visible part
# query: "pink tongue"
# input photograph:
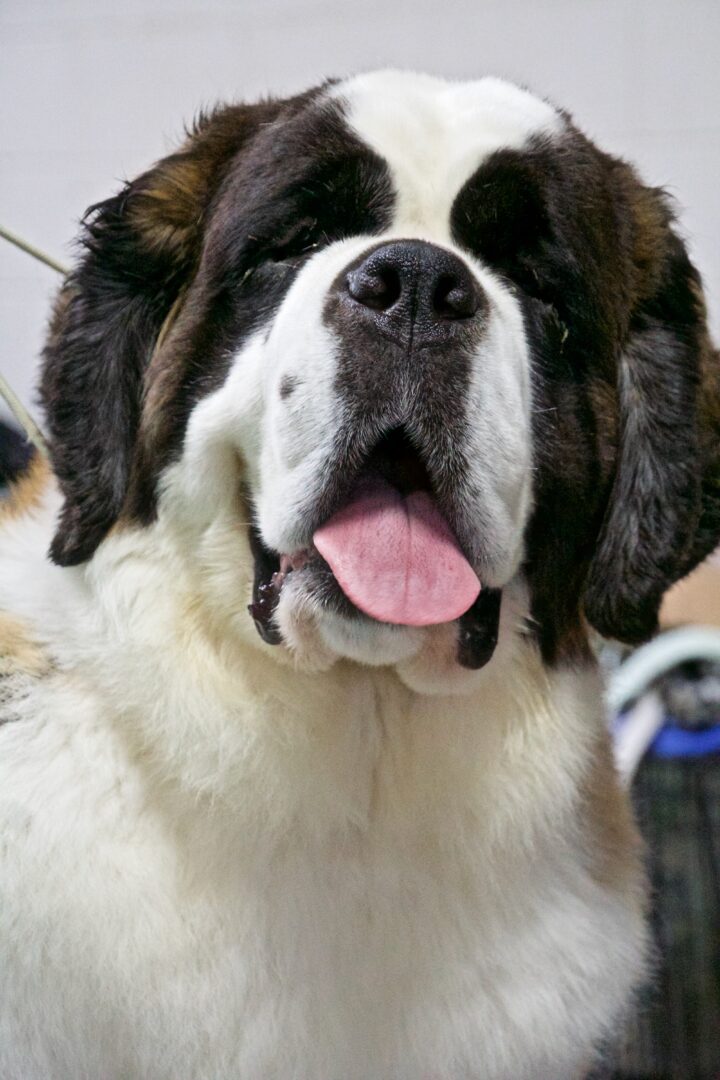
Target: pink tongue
(395, 557)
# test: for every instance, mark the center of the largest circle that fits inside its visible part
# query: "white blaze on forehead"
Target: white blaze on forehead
(434, 134)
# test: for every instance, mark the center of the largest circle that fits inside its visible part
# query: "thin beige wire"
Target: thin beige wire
(30, 249)
(21, 414)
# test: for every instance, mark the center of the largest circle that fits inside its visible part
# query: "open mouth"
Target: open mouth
(390, 551)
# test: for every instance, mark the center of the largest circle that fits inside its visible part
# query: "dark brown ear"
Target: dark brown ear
(141, 247)
(663, 516)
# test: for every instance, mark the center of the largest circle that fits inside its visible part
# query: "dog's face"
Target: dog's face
(422, 339)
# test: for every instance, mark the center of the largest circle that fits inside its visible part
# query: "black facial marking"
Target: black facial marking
(303, 183)
(224, 225)
(545, 218)
(501, 216)
(267, 584)
(615, 333)
(478, 630)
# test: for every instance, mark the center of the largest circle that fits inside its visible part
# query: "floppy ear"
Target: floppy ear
(663, 516)
(141, 247)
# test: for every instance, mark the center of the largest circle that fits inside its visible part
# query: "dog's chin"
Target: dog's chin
(317, 631)
(425, 658)
(319, 625)
(369, 642)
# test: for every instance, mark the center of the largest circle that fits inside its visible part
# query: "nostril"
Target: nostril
(413, 283)
(456, 297)
(376, 287)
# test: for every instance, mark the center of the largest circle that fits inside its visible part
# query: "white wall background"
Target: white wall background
(93, 91)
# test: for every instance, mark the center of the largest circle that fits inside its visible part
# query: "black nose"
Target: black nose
(415, 286)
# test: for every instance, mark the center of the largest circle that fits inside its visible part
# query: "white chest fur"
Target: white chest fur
(219, 868)
(372, 885)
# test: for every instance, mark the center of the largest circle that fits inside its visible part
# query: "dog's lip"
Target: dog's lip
(273, 568)
(271, 572)
(394, 459)
(478, 627)
(296, 561)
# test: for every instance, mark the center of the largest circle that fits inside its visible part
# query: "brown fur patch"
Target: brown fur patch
(26, 493)
(613, 845)
(19, 653)
(166, 213)
(651, 218)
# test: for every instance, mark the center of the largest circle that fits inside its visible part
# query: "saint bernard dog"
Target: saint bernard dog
(365, 408)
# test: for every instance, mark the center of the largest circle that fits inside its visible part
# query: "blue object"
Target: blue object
(677, 742)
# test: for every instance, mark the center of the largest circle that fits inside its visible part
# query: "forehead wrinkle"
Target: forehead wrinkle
(434, 134)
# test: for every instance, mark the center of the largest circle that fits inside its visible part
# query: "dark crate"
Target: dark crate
(676, 1032)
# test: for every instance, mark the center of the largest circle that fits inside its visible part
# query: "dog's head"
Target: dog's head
(419, 340)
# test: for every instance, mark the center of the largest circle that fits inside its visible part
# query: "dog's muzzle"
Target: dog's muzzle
(386, 524)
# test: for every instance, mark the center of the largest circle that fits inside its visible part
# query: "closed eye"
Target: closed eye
(501, 217)
(302, 238)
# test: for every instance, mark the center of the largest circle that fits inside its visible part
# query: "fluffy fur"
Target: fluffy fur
(349, 855)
